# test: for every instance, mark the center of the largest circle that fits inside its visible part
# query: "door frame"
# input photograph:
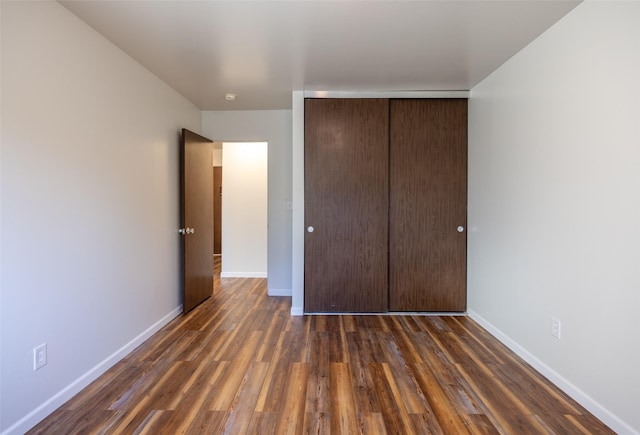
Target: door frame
(297, 172)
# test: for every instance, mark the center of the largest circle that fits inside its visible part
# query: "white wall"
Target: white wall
(89, 175)
(244, 209)
(554, 206)
(1, 309)
(274, 127)
(297, 225)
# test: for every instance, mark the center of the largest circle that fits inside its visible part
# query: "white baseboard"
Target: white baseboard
(57, 400)
(279, 292)
(297, 311)
(243, 274)
(606, 416)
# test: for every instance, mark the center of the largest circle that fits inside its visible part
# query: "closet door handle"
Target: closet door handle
(310, 229)
(460, 229)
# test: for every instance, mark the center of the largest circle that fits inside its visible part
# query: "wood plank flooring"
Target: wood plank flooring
(240, 364)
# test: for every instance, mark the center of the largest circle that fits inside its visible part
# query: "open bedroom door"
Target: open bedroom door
(196, 229)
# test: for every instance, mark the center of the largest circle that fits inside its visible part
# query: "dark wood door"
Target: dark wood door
(428, 202)
(346, 202)
(217, 210)
(196, 155)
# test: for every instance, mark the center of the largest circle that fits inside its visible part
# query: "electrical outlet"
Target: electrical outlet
(39, 356)
(556, 327)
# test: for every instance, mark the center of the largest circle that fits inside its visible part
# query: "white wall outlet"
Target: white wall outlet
(39, 356)
(556, 327)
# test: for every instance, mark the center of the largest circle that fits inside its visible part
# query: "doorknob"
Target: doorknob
(182, 231)
(190, 230)
(309, 229)
(460, 228)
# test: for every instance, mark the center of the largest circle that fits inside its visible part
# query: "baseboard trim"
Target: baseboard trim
(57, 400)
(606, 416)
(279, 292)
(299, 311)
(243, 275)
(390, 313)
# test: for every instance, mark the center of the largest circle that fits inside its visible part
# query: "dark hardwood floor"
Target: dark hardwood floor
(239, 363)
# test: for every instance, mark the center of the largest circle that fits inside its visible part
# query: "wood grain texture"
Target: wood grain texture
(428, 201)
(209, 372)
(346, 201)
(217, 210)
(196, 173)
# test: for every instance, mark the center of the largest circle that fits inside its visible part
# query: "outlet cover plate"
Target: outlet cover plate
(556, 327)
(39, 356)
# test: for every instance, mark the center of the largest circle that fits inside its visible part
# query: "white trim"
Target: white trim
(278, 292)
(297, 311)
(391, 313)
(386, 94)
(243, 274)
(606, 416)
(37, 415)
(297, 196)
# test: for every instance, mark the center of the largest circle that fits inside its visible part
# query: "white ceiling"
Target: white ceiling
(262, 50)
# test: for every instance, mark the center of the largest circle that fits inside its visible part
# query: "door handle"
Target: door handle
(182, 231)
(187, 230)
(310, 229)
(460, 229)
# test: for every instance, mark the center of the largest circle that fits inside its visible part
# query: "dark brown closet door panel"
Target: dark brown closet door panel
(428, 202)
(346, 203)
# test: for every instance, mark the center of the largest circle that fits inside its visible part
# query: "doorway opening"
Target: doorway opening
(243, 197)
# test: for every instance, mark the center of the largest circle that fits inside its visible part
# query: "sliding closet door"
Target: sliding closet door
(428, 205)
(346, 205)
